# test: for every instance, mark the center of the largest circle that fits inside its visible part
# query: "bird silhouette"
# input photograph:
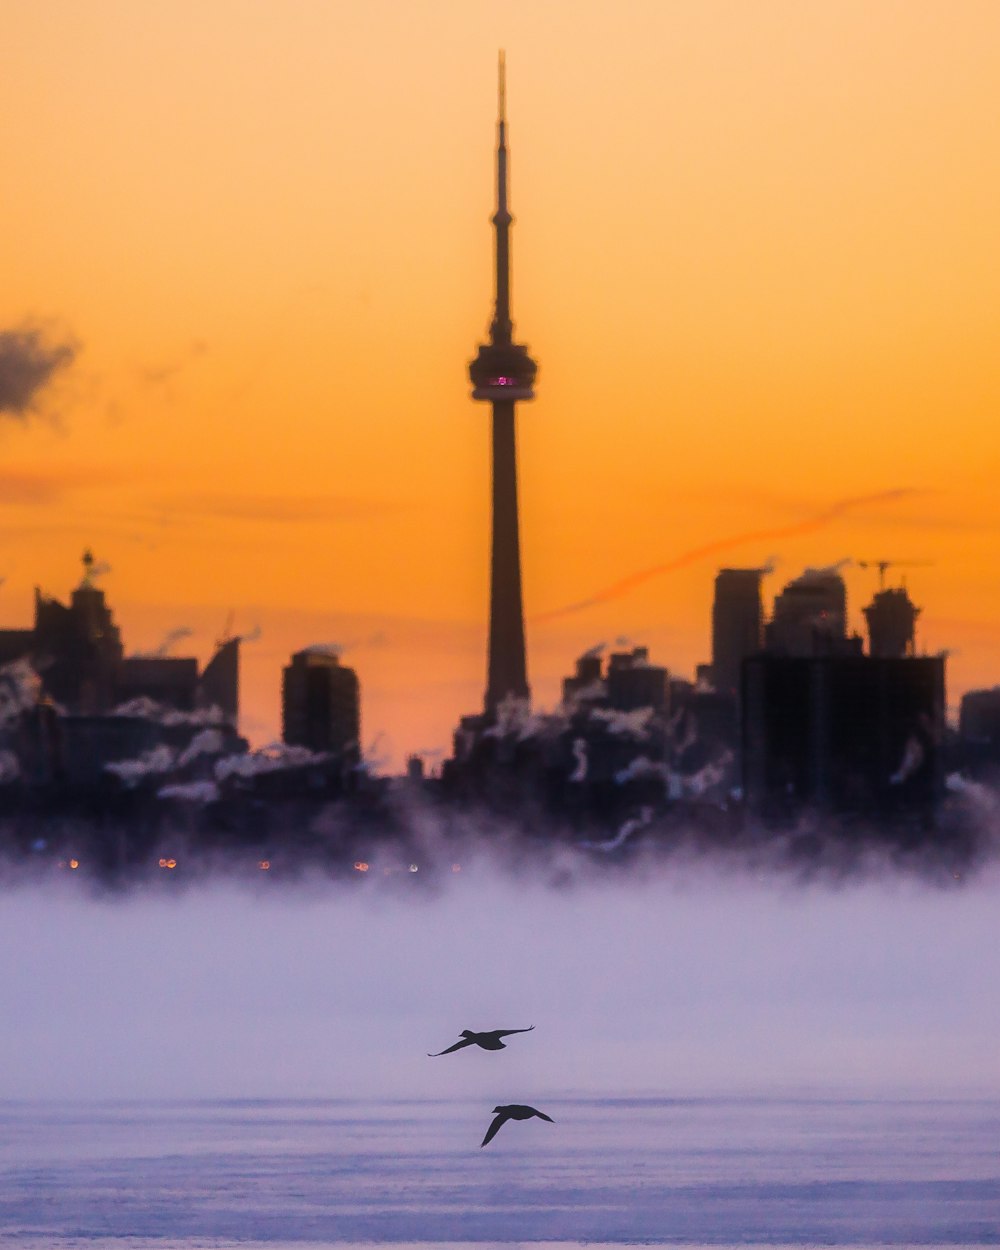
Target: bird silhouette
(515, 1111)
(488, 1041)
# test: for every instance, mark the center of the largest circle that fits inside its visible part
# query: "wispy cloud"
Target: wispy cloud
(281, 509)
(955, 510)
(29, 488)
(164, 372)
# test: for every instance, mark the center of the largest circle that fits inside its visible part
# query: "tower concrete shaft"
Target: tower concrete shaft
(508, 670)
(501, 374)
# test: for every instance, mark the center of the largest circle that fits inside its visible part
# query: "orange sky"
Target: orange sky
(756, 256)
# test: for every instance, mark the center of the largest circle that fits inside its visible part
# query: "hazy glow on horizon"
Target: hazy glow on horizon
(755, 256)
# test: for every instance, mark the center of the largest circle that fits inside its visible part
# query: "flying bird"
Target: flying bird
(513, 1112)
(488, 1041)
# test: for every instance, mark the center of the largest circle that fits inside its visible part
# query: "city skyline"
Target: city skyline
(765, 331)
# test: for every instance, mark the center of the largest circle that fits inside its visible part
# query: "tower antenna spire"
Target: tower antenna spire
(501, 86)
(501, 330)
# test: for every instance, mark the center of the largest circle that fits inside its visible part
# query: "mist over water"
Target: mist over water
(675, 980)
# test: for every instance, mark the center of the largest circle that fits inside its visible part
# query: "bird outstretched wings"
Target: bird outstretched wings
(490, 1040)
(466, 1041)
(514, 1111)
(499, 1120)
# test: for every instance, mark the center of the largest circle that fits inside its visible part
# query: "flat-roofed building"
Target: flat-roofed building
(321, 704)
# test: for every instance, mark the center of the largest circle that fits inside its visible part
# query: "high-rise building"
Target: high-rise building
(810, 617)
(503, 373)
(630, 682)
(78, 648)
(979, 718)
(978, 745)
(220, 681)
(170, 680)
(633, 682)
(321, 704)
(892, 619)
(737, 625)
(587, 683)
(846, 734)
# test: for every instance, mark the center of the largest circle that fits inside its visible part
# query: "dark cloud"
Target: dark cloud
(28, 362)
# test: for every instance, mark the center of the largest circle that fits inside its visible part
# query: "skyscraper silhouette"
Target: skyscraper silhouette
(892, 618)
(501, 374)
(737, 625)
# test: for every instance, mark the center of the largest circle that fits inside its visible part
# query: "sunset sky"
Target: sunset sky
(756, 255)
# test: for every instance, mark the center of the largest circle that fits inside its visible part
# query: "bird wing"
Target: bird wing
(466, 1041)
(508, 1032)
(542, 1116)
(499, 1120)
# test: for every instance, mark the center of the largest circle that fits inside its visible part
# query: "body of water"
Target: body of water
(662, 1171)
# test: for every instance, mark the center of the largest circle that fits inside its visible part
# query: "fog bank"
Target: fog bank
(679, 985)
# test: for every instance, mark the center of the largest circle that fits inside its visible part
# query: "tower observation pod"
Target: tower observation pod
(501, 374)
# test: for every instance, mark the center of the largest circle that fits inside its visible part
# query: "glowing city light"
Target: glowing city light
(361, 866)
(264, 865)
(74, 863)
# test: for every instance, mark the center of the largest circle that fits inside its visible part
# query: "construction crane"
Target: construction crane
(882, 565)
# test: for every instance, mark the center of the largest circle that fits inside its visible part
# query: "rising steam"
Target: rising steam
(167, 644)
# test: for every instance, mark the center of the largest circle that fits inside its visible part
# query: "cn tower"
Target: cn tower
(501, 374)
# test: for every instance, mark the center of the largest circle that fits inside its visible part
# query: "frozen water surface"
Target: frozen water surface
(680, 1172)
